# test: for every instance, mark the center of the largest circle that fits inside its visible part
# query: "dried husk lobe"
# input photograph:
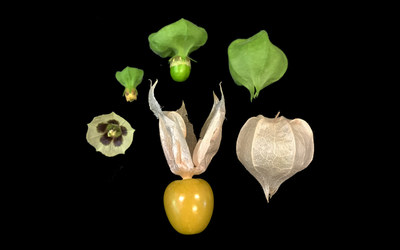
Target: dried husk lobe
(185, 155)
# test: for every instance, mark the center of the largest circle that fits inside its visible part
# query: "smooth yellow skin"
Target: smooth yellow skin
(189, 205)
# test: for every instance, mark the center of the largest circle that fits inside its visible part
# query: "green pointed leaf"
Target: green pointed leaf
(177, 39)
(255, 63)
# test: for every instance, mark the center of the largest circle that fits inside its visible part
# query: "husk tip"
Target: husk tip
(268, 195)
(151, 83)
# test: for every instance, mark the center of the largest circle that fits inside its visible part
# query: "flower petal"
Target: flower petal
(105, 139)
(118, 141)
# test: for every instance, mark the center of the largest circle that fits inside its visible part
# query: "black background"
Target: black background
(112, 200)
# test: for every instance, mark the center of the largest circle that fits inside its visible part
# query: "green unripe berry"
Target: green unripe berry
(180, 73)
(180, 68)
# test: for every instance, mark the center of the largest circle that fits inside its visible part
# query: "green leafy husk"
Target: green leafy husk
(255, 62)
(177, 39)
(130, 78)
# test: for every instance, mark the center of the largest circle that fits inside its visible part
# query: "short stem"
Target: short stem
(186, 177)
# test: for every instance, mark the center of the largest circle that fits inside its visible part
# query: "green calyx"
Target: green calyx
(255, 63)
(130, 78)
(177, 40)
(180, 68)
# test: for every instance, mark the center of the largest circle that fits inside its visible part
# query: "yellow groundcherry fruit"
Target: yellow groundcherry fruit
(189, 205)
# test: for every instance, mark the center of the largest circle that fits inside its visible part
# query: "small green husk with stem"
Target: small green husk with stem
(130, 78)
(177, 41)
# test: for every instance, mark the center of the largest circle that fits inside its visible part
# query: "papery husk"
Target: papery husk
(184, 154)
(210, 135)
(273, 150)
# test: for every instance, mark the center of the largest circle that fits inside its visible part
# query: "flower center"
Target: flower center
(112, 133)
(113, 130)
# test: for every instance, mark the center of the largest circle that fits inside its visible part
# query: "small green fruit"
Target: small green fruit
(180, 68)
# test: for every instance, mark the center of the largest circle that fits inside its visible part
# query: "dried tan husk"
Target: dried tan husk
(185, 155)
(273, 150)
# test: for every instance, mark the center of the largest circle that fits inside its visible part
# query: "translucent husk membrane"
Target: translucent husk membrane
(185, 155)
(273, 150)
